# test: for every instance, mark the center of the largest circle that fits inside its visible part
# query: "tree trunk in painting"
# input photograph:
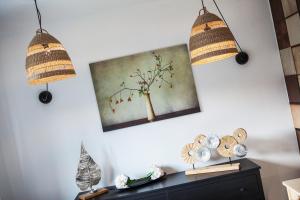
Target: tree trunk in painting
(149, 107)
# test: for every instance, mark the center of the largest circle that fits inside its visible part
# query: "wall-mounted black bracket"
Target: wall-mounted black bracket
(242, 58)
(45, 97)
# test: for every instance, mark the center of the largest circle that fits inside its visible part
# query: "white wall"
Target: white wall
(41, 143)
(4, 179)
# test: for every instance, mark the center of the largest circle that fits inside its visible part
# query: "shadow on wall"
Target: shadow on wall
(272, 176)
(264, 146)
(108, 168)
(169, 170)
(274, 173)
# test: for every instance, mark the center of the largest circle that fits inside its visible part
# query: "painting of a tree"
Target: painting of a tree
(158, 74)
(144, 87)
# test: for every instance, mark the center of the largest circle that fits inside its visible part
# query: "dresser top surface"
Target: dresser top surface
(178, 179)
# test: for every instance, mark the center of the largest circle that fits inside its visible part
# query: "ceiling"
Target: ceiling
(21, 12)
(13, 6)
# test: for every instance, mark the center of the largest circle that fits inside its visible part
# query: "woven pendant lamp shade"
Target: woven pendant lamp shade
(211, 40)
(47, 60)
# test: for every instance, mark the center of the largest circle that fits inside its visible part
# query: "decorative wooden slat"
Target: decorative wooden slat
(216, 168)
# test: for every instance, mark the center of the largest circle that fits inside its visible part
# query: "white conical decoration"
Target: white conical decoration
(88, 172)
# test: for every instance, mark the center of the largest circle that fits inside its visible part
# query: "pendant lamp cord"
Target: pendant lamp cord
(226, 23)
(38, 15)
(202, 4)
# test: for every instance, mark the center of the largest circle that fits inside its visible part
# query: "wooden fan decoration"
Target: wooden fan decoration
(200, 140)
(188, 153)
(240, 135)
(228, 146)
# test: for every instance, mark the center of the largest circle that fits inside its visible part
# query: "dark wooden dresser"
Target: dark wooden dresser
(235, 185)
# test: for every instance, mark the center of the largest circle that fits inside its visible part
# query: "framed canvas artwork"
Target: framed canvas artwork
(144, 87)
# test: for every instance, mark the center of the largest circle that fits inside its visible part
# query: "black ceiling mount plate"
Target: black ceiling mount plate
(45, 97)
(242, 58)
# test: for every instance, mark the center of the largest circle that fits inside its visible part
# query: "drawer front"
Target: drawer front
(242, 188)
(154, 196)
